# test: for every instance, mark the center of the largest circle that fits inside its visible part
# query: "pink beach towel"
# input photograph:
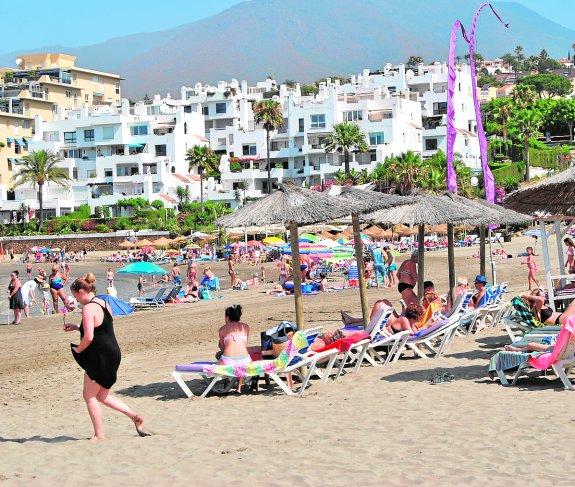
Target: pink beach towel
(566, 337)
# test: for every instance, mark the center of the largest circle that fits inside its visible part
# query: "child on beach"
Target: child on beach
(110, 277)
(531, 268)
(141, 282)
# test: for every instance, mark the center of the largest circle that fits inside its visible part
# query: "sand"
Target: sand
(381, 426)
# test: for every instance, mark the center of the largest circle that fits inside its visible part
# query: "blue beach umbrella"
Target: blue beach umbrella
(146, 268)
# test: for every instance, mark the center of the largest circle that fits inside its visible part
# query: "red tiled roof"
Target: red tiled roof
(168, 198)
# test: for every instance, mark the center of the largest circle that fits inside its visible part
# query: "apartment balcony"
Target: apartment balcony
(112, 160)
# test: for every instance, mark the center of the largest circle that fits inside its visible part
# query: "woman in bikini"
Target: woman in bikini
(232, 271)
(233, 342)
(407, 276)
(532, 269)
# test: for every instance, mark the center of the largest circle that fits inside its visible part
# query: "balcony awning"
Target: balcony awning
(97, 94)
(10, 140)
(21, 142)
(135, 145)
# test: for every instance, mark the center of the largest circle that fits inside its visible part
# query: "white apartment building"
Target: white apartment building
(116, 152)
(399, 109)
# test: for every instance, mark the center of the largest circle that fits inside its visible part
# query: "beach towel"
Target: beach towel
(343, 344)
(523, 311)
(297, 344)
(564, 345)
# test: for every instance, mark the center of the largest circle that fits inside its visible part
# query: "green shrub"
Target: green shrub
(101, 228)
(235, 167)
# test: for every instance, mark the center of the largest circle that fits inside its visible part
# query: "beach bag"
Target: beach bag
(205, 294)
(278, 336)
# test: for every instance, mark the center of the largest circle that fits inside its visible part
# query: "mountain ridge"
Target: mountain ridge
(291, 39)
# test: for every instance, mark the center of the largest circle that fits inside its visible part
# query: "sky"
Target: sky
(78, 23)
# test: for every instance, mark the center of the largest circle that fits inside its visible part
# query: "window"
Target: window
(187, 108)
(108, 133)
(68, 93)
(25, 124)
(75, 173)
(301, 125)
(86, 97)
(376, 138)
(220, 107)
(65, 77)
(51, 136)
(318, 121)
(153, 110)
(249, 150)
(466, 142)
(95, 78)
(69, 137)
(160, 150)
(139, 130)
(430, 144)
(117, 88)
(205, 111)
(108, 173)
(353, 116)
(440, 108)
(186, 127)
(72, 154)
(89, 135)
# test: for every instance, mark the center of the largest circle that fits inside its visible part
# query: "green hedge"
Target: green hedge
(551, 158)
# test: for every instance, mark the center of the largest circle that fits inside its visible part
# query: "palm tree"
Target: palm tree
(39, 168)
(346, 136)
(183, 194)
(270, 114)
(413, 61)
(206, 161)
(524, 96)
(406, 170)
(501, 114)
(526, 124)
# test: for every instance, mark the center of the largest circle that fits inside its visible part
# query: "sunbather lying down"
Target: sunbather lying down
(545, 345)
(410, 319)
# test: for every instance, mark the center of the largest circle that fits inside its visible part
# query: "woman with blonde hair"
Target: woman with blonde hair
(98, 353)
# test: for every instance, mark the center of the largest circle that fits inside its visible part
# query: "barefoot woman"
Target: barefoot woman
(99, 355)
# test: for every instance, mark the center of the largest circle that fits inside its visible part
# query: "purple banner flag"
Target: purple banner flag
(489, 182)
(451, 130)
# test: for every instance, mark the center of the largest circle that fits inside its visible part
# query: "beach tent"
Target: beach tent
(118, 307)
(146, 268)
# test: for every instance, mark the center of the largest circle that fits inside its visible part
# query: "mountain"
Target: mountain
(307, 40)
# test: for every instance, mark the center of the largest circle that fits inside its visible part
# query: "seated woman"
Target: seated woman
(192, 288)
(408, 322)
(543, 312)
(233, 341)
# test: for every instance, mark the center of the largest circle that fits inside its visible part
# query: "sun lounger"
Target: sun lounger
(293, 359)
(172, 294)
(149, 301)
(561, 358)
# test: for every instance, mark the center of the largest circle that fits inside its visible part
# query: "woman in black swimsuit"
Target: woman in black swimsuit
(543, 312)
(99, 355)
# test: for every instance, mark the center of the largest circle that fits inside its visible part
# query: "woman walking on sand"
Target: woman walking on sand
(98, 353)
(15, 297)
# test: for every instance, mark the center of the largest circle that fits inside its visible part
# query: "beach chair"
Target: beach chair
(293, 359)
(561, 358)
(149, 301)
(485, 314)
(172, 294)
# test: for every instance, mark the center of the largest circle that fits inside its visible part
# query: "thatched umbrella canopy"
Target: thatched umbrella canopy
(438, 228)
(290, 206)
(162, 242)
(551, 196)
(144, 243)
(366, 201)
(426, 210)
(126, 244)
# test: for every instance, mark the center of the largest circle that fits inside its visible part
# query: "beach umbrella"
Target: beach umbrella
(126, 244)
(180, 239)
(426, 210)
(254, 243)
(290, 206)
(147, 249)
(273, 241)
(146, 268)
(366, 201)
(144, 242)
(308, 237)
(162, 242)
(36, 248)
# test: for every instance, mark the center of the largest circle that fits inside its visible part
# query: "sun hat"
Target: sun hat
(480, 278)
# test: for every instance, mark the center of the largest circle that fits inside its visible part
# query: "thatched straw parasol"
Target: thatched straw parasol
(366, 201)
(290, 206)
(162, 242)
(126, 244)
(144, 243)
(551, 196)
(426, 210)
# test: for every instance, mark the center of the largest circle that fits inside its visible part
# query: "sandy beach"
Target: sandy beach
(380, 426)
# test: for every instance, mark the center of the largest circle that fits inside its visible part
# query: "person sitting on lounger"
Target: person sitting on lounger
(543, 312)
(546, 345)
(479, 297)
(408, 321)
(234, 338)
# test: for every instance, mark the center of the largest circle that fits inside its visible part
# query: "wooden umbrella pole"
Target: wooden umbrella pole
(296, 274)
(360, 267)
(482, 250)
(420, 260)
(451, 260)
